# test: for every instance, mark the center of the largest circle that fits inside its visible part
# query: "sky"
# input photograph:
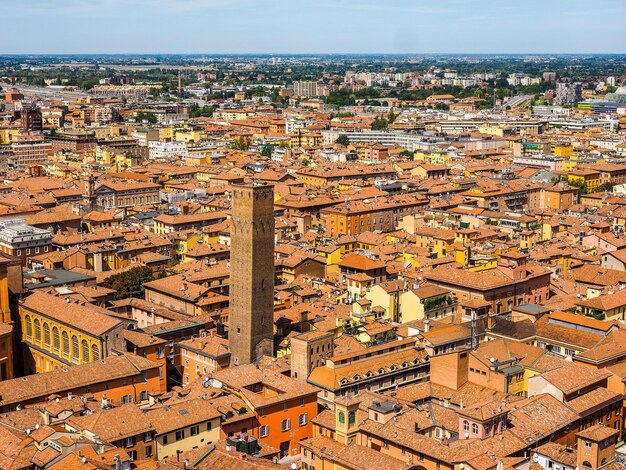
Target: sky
(312, 26)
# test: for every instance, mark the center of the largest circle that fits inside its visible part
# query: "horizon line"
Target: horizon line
(290, 54)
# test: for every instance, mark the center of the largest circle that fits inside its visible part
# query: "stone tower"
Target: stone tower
(251, 311)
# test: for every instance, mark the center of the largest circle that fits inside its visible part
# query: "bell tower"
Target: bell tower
(251, 311)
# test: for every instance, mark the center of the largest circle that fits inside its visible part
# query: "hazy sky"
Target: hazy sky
(312, 26)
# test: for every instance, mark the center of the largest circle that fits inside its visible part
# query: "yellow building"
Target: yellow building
(184, 426)
(332, 255)
(439, 241)
(428, 302)
(166, 133)
(590, 178)
(58, 332)
(185, 241)
(386, 296)
(527, 239)
(563, 150)
(188, 135)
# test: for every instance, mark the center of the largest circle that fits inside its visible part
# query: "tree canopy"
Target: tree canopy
(129, 283)
(343, 140)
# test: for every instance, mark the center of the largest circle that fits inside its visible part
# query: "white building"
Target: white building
(158, 150)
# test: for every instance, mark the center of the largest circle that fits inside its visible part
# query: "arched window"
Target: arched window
(55, 338)
(37, 330)
(66, 343)
(95, 352)
(75, 351)
(342, 417)
(465, 425)
(46, 334)
(352, 417)
(85, 347)
(586, 464)
(29, 326)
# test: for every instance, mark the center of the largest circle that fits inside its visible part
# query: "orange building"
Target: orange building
(6, 351)
(283, 406)
(202, 356)
(355, 217)
(122, 379)
(150, 347)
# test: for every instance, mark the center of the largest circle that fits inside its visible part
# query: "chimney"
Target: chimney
(426, 325)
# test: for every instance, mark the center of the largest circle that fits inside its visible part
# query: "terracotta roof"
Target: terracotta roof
(87, 317)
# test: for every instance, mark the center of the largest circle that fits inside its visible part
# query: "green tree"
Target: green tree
(267, 151)
(343, 140)
(129, 283)
(380, 124)
(241, 143)
(146, 116)
(204, 111)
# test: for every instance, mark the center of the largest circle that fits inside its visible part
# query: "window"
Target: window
(195, 430)
(475, 428)
(75, 351)
(46, 334)
(148, 451)
(164, 440)
(465, 425)
(264, 431)
(29, 326)
(95, 352)
(285, 425)
(570, 352)
(147, 437)
(126, 399)
(37, 330)
(303, 419)
(66, 343)
(143, 396)
(351, 417)
(209, 425)
(587, 445)
(55, 338)
(160, 352)
(130, 441)
(342, 417)
(180, 435)
(85, 347)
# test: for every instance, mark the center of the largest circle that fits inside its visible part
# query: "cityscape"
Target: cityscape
(395, 252)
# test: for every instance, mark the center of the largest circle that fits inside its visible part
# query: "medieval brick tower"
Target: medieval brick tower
(251, 311)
